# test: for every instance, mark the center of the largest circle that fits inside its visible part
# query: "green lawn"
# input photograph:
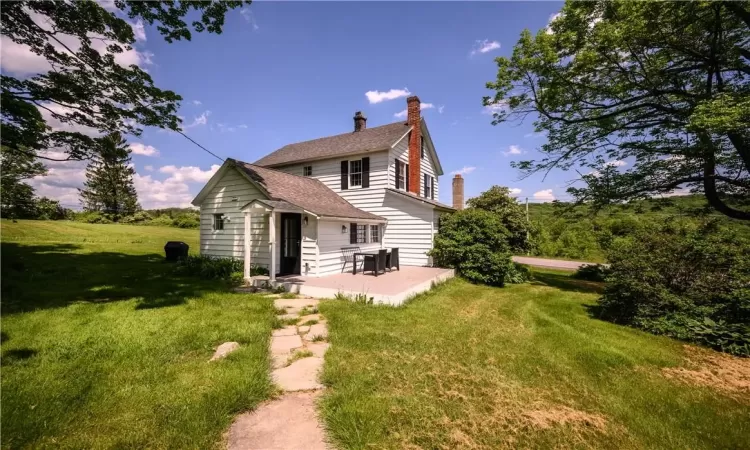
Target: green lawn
(103, 347)
(525, 366)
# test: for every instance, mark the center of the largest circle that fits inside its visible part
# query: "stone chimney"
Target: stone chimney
(458, 192)
(414, 120)
(360, 121)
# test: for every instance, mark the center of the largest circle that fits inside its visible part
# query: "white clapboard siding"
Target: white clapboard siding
(229, 242)
(328, 171)
(332, 240)
(427, 166)
(309, 262)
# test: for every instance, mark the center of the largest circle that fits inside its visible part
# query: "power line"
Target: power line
(202, 147)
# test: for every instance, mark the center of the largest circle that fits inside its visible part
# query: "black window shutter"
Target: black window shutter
(398, 171)
(432, 188)
(426, 179)
(344, 175)
(365, 172)
(407, 177)
(352, 233)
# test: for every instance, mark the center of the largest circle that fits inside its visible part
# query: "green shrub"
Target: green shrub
(237, 278)
(209, 268)
(138, 217)
(162, 220)
(186, 221)
(92, 217)
(474, 242)
(592, 272)
(688, 282)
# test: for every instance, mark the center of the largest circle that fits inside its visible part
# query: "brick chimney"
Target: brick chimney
(458, 192)
(360, 121)
(414, 120)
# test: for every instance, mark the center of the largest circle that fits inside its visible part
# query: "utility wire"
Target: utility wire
(202, 147)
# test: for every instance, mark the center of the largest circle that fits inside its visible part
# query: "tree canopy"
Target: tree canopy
(663, 85)
(498, 201)
(86, 92)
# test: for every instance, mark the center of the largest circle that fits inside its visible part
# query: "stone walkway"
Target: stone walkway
(290, 421)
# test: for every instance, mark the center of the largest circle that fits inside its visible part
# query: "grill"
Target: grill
(176, 250)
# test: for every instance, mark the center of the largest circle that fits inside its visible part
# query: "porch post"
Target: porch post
(248, 244)
(272, 244)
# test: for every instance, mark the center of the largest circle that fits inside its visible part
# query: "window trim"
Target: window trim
(217, 223)
(362, 227)
(374, 231)
(307, 171)
(401, 179)
(427, 191)
(352, 173)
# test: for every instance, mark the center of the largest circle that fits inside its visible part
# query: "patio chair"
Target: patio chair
(391, 260)
(371, 265)
(348, 253)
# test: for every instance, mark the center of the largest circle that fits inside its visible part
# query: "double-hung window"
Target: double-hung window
(374, 233)
(218, 222)
(307, 171)
(427, 186)
(355, 173)
(400, 175)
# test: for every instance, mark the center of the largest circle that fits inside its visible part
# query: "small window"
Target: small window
(427, 186)
(422, 146)
(374, 233)
(307, 171)
(355, 173)
(401, 176)
(218, 222)
(361, 234)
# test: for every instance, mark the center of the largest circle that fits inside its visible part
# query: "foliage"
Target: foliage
(109, 180)
(17, 199)
(592, 272)
(212, 268)
(497, 200)
(662, 83)
(92, 217)
(475, 243)
(88, 90)
(667, 277)
(186, 221)
(139, 217)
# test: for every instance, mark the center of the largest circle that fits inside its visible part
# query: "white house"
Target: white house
(296, 208)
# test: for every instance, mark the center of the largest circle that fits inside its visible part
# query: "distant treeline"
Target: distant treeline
(565, 230)
(166, 217)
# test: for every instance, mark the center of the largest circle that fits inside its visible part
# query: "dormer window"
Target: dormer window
(307, 171)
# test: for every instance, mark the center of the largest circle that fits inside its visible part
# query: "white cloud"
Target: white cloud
(197, 102)
(441, 108)
(545, 194)
(617, 163)
(145, 150)
(484, 46)
(249, 18)
(190, 173)
(109, 5)
(149, 168)
(378, 96)
(139, 30)
(242, 125)
(404, 113)
(513, 150)
(515, 191)
(161, 194)
(495, 107)
(533, 135)
(48, 111)
(62, 181)
(464, 171)
(200, 120)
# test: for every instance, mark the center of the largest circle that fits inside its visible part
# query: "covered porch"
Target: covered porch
(391, 288)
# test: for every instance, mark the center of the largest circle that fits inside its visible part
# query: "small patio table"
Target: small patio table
(375, 253)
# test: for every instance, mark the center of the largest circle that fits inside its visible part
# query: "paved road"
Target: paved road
(550, 263)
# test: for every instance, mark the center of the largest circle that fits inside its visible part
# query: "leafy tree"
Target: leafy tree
(109, 180)
(16, 197)
(85, 87)
(475, 243)
(665, 83)
(497, 200)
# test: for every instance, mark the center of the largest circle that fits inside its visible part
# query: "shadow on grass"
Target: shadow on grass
(52, 276)
(17, 355)
(566, 282)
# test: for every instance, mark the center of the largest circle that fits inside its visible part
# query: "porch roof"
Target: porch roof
(306, 193)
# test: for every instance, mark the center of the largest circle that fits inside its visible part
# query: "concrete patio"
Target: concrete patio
(391, 288)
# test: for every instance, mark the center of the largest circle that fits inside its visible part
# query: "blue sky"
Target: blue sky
(287, 72)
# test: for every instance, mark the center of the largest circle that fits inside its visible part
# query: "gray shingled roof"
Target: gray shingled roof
(377, 138)
(307, 193)
(416, 197)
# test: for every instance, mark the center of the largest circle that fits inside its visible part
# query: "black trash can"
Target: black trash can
(176, 250)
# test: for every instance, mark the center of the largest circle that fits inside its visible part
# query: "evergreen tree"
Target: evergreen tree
(16, 197)
(109, 180)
